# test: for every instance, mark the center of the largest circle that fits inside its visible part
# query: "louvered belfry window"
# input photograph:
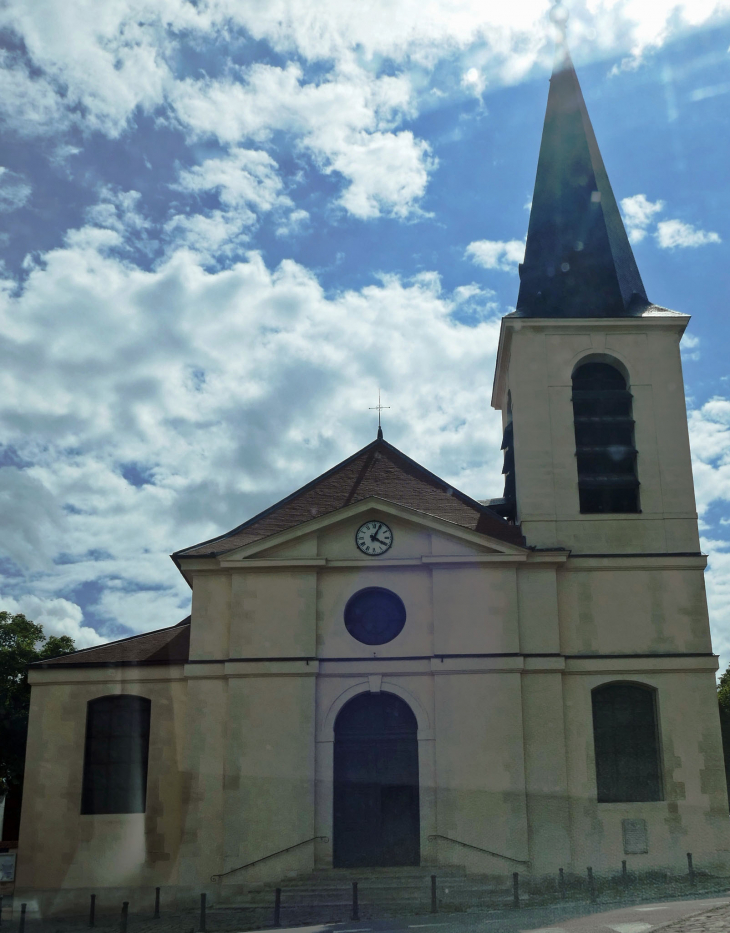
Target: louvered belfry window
(604, 440)
(115, 756)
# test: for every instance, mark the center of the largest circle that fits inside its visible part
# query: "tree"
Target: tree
(723, 699)
(21, 643)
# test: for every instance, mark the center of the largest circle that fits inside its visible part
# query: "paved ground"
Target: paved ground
(710, 915)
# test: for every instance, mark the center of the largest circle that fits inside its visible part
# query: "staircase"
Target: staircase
(325, 896)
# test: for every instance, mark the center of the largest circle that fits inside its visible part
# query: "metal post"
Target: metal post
(624, 874)
(561, 882)
(1, 910)
(355, 908)
(516, 889)
(690, 866)
(21, 928)
(157, 905)
(434, 902)
(591, 884)
(202, 913)
(92, 909)
(277, 907)
(123, 921)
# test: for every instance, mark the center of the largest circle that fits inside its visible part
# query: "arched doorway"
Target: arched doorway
(376, 811)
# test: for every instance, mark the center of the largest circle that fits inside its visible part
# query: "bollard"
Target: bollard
(691, 869)
(624, 874)
(591, 885)
(156, 915)
(434, 902)
(561, 882)
(202, 913)
(355, 909)
(516, 889)
(125, 913)
(277, 907)
(21, 928)
(92, 909)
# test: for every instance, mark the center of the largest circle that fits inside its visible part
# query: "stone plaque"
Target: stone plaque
(636, 838)
(7, 866)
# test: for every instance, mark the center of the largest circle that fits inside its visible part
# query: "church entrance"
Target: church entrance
(376, 814)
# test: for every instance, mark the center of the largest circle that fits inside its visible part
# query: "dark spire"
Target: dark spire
(578, 259)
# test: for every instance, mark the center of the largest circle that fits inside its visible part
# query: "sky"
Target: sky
(224, 225)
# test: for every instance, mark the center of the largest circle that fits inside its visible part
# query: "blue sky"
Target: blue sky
(224, 225)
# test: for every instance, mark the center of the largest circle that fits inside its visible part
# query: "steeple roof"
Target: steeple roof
(578, 259)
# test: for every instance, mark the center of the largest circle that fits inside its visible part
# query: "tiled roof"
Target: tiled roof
(377, 470)
(165, 646)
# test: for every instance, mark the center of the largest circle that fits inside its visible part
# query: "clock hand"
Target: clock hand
(373, 535)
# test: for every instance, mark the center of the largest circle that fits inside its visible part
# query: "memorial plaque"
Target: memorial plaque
(7, 866)
(636, 838)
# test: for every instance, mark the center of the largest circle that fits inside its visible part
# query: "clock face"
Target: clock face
(374, 538)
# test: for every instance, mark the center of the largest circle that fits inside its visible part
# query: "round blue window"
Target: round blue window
(375, 615)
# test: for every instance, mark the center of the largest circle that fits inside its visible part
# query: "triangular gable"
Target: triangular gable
(264, 546)
(379, 470)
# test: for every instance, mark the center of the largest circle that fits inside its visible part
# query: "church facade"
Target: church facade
(381, 671)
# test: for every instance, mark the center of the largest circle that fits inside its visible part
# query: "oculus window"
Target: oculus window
(604, 440)
(115, 756)
(374, 616)
(626, 743)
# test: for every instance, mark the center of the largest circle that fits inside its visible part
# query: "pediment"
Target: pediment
(331, 538)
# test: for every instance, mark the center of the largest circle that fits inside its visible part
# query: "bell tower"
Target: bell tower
(589, 376)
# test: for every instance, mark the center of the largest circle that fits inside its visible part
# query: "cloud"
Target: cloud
(388, 173)
(57, 616)
(673, 234)
(14, 191)
(473, 81)
(244, 178)
(97, 70)
(689, 346)
(639, 213)
(496, 254)
(29, 514)
(709, 432)
(247, 185)
(709, 428)
(345, 123)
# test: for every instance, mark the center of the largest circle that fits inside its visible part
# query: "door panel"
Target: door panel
(376, 803)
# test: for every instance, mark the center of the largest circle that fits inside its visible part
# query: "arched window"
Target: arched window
(604, 440)
(115, 756)
(626, 743)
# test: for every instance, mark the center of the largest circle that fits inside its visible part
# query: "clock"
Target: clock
(373, 538)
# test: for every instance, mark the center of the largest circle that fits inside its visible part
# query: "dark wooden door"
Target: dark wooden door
(376, 808)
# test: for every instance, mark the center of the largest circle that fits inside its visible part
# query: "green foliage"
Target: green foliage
(723, 699)
(21, 643)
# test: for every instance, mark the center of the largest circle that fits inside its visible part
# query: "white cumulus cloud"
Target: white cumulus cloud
(56, 616)
(496, 254)
(673, 234)
(639, 213)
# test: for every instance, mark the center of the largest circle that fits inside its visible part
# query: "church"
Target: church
(381, 671)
